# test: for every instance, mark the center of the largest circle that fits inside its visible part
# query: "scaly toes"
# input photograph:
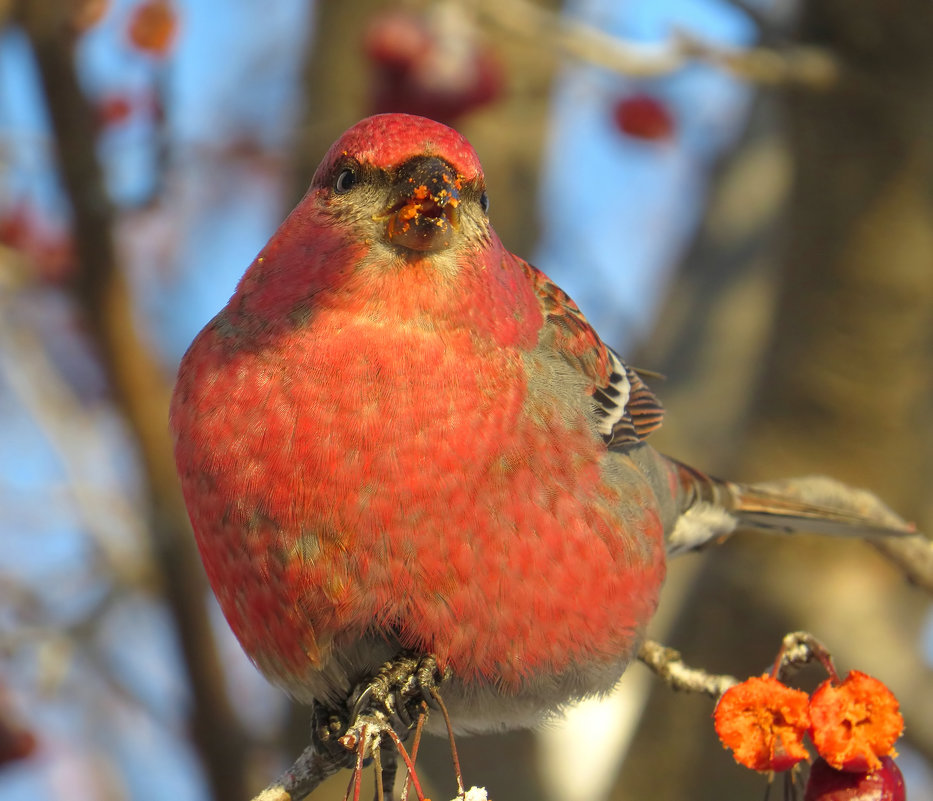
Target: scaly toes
(400, 688)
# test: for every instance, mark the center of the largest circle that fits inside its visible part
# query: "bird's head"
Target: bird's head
(396, 217)
(407, 184)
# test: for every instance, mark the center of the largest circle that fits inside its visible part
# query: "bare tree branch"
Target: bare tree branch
(797, 65)
(32, 380)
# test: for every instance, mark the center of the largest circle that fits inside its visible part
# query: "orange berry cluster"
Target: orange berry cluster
(852, 723)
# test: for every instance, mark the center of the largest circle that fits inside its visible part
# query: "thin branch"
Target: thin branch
(32, 379)
(668, 665)
(800, 648)
(798, 65)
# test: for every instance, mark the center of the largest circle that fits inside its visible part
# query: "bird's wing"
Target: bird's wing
(627, 409)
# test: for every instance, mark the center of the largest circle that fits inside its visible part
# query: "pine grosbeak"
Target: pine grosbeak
(397, 435)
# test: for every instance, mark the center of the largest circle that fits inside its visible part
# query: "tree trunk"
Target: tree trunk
(845, 387)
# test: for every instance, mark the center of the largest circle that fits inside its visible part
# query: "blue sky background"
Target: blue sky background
(236, 68)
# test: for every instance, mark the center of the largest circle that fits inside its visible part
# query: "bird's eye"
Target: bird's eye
(484, 202)
(346, 180)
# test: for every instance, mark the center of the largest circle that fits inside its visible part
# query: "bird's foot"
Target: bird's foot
(381, 712)
(402, 689)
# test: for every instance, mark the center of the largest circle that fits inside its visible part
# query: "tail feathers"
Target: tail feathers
(714, 508)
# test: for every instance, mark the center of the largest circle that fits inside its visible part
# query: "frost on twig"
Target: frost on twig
(274, 792)
(669, 666)
(809, 67)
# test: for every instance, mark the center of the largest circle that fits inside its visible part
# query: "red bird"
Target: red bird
(398, 435)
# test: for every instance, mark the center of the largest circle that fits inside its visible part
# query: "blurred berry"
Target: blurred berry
(153, 27)
(428, 64)
(644, 117)
(87, 13)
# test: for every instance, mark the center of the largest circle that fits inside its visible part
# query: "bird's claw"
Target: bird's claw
(400, 689)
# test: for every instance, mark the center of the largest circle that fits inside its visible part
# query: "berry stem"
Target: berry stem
(800, 648)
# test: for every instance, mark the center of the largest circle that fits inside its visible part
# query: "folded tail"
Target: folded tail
(713, 508)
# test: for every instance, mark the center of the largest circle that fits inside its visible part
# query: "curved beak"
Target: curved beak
(425, 211)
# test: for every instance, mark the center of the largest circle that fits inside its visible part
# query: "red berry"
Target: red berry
(16, 740)
(16, 227)
(15, 744)
(46, 247)
(644, 117)
(828, 784)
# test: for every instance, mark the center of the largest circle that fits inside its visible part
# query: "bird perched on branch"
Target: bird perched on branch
(399, 437)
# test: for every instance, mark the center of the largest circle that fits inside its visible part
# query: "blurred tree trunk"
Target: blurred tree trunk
(845, 387)
(849, 376)
(140, 393)
(334, 82)
(509, 136)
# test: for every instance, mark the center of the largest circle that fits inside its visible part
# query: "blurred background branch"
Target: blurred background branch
(803, 66)
(139, 385)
